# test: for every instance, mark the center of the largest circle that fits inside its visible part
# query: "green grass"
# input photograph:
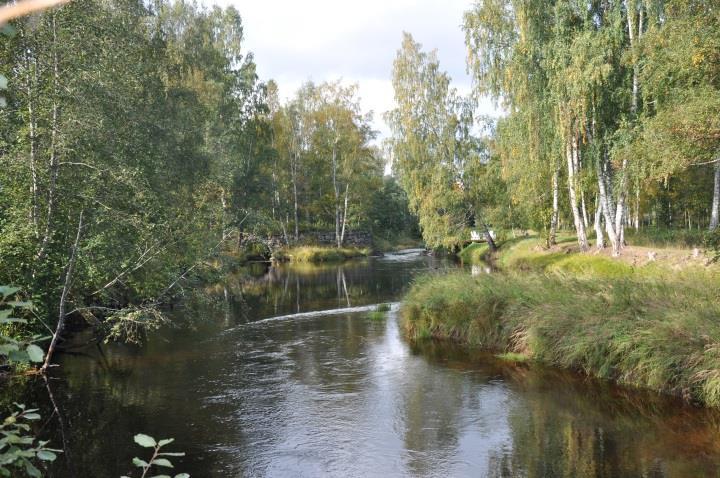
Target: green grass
(678, 238)
(383, 307)
(319, 254)
(657, 333)
(377, 315)
(474, 253)
(513, 357)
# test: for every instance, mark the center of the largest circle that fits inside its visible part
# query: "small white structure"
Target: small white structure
(476, 236)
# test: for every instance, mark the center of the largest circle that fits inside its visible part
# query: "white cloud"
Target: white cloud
(324, 40)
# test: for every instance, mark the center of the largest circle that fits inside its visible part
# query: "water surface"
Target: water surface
(339, 394)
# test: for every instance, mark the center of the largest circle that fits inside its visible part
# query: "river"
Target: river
(260, 384)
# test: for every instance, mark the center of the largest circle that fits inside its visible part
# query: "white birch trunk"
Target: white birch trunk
(571, 153)
(715, 212)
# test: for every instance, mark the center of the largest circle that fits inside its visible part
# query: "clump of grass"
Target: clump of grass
(319, 254)
(513, 357)
(383, 307)
(474, 253)
(655, 333)
(377, 315)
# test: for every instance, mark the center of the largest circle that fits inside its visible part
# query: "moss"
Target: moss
(659, 333)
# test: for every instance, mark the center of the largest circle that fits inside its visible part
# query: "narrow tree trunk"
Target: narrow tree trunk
(552, 238)
(54, 160)
(338, 240)
(715, 212)
(571, 153)
(31, 67)
(586, 223)
(488, 237)
(344, 215)
(599, 237)
(63, 297)
(295, 196)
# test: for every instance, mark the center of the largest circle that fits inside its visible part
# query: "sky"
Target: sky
(325, 40)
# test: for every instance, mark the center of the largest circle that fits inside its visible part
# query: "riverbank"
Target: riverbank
(650, 323)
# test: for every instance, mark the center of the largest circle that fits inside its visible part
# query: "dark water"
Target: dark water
(343, 395)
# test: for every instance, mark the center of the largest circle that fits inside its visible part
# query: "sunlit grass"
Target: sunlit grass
(319, 254)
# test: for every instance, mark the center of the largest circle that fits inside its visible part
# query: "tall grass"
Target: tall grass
(663, 335)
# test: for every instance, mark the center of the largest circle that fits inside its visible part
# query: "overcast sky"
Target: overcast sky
(321, 40)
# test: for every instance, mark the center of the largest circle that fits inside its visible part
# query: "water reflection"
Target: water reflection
(343, 395)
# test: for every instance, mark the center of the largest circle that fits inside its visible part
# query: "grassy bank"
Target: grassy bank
(320, 254)
(651, 333)
(474, 253)
(649, 319)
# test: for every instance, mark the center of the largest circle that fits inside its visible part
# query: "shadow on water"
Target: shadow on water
(344, 395)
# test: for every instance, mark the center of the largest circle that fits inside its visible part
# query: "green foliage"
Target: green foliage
(712, 243)
(159, 458)
(19, 450)
(16, 346)
(440, 164)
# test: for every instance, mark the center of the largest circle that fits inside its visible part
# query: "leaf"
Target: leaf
(172, 453)
(166, 441)
(162, 462)
(31, 470)
(35, 353)
(161, 476)
(32, 416)
(3, 82)
(182, 475)
(18, 356)
(46, 455)
(13, 320)
(145, 440)
(7, 290)
(141, 463)
(24, 304)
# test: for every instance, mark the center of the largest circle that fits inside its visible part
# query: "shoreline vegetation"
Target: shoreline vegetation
(315, 254)
(646, 320)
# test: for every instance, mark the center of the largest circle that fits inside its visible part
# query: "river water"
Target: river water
(263, 385)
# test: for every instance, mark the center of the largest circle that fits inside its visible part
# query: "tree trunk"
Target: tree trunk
(715, 213)
(294, 169)
(344, 216)
(54, 160)
(488, 237)
(338, 240)
(552, 238)
(31, 67)
(63, 297)
(599, 237)
(571, 153)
